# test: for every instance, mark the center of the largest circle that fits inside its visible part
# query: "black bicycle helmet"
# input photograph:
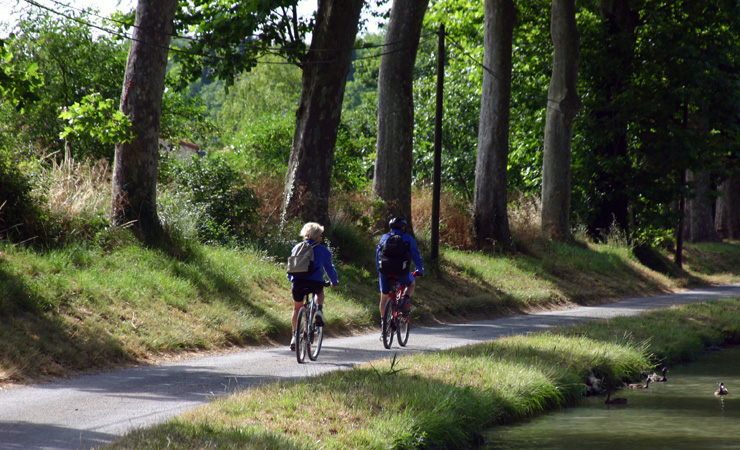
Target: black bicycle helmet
(397, 223)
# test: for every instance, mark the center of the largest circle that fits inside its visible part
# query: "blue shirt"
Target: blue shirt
(413, 248)
(321, 260)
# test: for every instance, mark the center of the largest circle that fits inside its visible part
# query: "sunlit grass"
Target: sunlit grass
(445, 399)
(440, 400)
(124, 302)
(519, 280)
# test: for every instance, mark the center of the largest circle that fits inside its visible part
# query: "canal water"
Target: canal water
(682, 413)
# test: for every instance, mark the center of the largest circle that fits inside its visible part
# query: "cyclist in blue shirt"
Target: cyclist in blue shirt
(312, 233)
(397, 225)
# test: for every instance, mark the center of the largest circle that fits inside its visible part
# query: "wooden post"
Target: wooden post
(438, 145)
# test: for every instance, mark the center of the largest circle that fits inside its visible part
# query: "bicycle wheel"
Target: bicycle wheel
(301, 347)
(388, 324)
(402, 330)
(315, 338)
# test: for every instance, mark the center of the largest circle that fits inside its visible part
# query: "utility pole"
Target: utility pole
(436, 185)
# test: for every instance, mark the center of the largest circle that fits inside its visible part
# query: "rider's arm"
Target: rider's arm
(322, 258)
(415, 255)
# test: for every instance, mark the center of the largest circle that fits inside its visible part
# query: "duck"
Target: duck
(722, 390)
(639, 385)
(614, 401)
(655, 378)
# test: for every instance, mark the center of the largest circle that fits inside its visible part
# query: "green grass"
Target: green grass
(85, 307)
(446, 399)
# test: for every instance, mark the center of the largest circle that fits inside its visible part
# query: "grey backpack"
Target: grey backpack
(300, 263)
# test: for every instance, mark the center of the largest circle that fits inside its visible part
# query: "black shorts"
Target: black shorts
(303, 286)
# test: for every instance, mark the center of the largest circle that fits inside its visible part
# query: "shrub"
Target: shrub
(227, 207)
(19, 210)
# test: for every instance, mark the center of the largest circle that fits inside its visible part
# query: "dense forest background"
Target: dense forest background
(658, 82)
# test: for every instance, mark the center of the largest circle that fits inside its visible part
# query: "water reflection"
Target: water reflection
(682, 413)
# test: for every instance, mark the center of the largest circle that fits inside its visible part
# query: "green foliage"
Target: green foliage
(262, 147)
(354, 157)
(19, 209)
(227, 207)
(96, 116)
(17, 84)
(82, 74)
(655, 103)
(257, 118)
(73, 63)
(231, 31)
(185, 117)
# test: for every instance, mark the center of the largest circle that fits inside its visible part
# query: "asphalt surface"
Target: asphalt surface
(92, 411)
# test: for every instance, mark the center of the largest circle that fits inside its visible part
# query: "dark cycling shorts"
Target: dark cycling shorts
(387, 285)
(303, 286)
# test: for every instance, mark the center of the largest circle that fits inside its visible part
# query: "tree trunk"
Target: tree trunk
(325, 70)
(701, 209)
(393, 160)
(728, 209)
(490, 216)
(135, 163)
(562, 105)
(611, 202)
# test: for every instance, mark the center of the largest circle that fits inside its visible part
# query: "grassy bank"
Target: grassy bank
(447, 399)
(87, 308)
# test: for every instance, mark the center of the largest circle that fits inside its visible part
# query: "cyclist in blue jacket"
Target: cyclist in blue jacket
(312, 233)
(397, 225)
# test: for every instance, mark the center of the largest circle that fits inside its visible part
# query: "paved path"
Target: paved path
(91, 411)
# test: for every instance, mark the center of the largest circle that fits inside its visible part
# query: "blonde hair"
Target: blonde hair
(311, 230)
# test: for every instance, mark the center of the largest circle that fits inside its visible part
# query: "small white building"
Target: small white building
(182, 150)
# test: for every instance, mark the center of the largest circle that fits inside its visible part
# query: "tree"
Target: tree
(393, 160)
(727, 218)
(562, 105)
(136, 162)
(490, 216)
(325, 70)
(609, 72)
(73, 63)
(701, 208)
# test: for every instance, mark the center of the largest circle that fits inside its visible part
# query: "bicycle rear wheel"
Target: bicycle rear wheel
(388, 324)
(301, 347)
(315, 338)
(404, 326)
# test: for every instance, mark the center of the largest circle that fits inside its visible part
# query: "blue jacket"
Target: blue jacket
(415, 255)
(321, 259)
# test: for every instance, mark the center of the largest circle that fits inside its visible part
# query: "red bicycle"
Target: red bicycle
(396, 321)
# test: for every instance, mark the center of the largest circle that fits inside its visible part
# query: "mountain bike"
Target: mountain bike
(394, 320)
(309, 334)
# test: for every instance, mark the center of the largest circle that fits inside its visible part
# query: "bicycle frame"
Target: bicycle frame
(395, 322)
(309, 335)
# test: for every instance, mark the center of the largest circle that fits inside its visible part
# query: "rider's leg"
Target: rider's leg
(320, 298)
(385, 286)
(296, 307)
(410, 288)
(383, 299)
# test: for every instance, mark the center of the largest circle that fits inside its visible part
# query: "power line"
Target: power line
(176, 49)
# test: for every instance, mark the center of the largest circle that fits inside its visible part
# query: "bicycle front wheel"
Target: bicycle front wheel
(388, 324)
(402, 330)
(315, 338)
(301, 347)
